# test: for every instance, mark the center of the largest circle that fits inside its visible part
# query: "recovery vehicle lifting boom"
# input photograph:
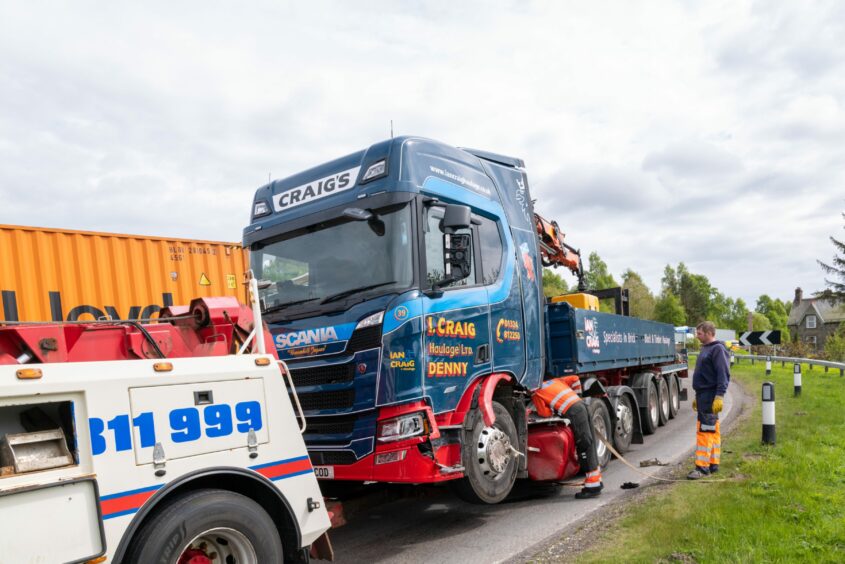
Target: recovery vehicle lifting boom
(554, 251)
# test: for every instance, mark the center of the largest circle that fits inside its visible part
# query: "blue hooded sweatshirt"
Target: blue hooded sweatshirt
(713, 369)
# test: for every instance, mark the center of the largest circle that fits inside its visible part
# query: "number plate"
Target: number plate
(324, 472)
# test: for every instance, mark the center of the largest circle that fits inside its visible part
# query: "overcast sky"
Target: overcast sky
(711, 133)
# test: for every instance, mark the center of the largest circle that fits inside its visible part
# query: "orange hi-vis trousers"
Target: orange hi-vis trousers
(708, 447)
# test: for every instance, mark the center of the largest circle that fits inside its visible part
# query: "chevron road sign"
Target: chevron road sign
(760, 338)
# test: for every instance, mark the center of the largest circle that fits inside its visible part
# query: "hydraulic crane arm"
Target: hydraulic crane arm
(555, 252)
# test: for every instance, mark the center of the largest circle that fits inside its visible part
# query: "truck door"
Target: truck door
(501, 278)
(456, 330)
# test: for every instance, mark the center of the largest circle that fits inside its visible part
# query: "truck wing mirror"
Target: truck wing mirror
(457, 258)
(455, 218)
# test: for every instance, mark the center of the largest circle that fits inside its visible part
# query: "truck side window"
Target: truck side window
(491, 250)
(434, 250)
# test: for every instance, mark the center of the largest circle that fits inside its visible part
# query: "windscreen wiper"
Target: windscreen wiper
(287, 304)
(345, 293)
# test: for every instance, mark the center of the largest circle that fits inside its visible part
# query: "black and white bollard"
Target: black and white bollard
(796, 379)
(768, 366)
(768, 413)
(733, 359)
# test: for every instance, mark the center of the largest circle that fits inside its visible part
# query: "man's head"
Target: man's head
(705, 332)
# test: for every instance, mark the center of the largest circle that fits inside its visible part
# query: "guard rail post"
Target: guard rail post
(768, 366)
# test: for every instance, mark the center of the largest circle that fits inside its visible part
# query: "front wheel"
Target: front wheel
(489, 457)
(208, 525)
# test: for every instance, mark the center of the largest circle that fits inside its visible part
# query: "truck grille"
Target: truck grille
(332, 457)
(330, 425)
(364, 339)
(317, 401)
(318, 375)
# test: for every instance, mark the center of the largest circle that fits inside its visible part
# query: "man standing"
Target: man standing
(710, 382)
(561, 397)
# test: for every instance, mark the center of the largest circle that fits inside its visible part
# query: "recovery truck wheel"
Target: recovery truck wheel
(208, 525)
(674, 396)
(624, 431)
(663, 394)
(600, 419)
(649, 413)
(488, 456)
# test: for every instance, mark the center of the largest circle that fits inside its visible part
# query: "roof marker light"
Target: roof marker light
(261, 208)
(29, 373)
(163, 366)
(376, 170)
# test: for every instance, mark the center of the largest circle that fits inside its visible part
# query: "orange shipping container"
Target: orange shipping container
(55, 274)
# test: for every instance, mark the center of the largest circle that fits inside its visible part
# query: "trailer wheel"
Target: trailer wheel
(674, 396)
(488, 456)
(649, 413)
(663, 394)
(623, 433)
(600, 419)
(208, 525)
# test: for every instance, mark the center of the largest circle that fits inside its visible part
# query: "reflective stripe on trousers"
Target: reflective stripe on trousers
(708, 448)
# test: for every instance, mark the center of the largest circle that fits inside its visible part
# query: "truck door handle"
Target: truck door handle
(482, 354)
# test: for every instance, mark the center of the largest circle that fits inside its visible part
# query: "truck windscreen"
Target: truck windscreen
(337, 259)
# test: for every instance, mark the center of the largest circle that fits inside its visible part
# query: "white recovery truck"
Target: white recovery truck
(123, 442)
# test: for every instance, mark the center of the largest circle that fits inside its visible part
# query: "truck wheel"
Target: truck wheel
(649, 413)
(490, 463)
(674, 396)
(663, 394)
(624, 431)
(600, 419)
(208, 525)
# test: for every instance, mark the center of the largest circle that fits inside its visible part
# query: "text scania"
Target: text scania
(317, 189)
(307, 337)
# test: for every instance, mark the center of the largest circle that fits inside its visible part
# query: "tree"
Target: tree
(834, 346)
(737, 316)
(599, 278)
(694, 294)
(640, 300)
(668, 309)
(774, 310)
(553, 284)
(669, 283)
(836, 290)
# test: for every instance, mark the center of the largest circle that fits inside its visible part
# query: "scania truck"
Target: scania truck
(402, 285)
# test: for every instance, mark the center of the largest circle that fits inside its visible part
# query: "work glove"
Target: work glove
(717, 404)
(694, 405)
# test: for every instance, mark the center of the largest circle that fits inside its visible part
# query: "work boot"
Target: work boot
(699, 472)
(587, 493)
(714, 468)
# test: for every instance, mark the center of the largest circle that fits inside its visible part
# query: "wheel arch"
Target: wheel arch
(238, 480)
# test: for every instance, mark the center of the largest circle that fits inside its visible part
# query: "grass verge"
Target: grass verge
(781, 503)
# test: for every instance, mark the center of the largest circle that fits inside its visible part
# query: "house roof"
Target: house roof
(828, 312)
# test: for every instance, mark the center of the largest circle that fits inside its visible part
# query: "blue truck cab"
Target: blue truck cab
(395, 347)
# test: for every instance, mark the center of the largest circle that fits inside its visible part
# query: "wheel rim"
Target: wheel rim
(652, 404)
(493, 452)
(675, 395)
(601, 429)
(220, 545)
(664, 400)
(625, 420)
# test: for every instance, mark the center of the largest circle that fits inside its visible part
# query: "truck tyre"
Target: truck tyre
(217, 525)
(663, 395)
(649, 413)
(490, 463)
(600, 419)
(623, 433)
(674, 396)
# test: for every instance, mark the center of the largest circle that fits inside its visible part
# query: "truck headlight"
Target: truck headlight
(374, 319)
(402, 427)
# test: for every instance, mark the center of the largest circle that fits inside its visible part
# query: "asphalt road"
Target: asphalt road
(431, 525)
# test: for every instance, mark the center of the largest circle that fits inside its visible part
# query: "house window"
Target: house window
(811, 322)
(811, 341)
